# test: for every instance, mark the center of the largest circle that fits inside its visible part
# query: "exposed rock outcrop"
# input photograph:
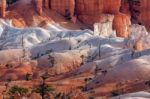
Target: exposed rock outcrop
(62, 5)
(137, 69)
(105, 28)
(3, 8)
(139, 10)
(94, 11)
(121, 24)
(61, 62)
(144, 9)
(91, 11)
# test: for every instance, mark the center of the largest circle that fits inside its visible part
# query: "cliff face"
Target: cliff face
(2, 8)
(144, 16)
(121, 24)
(92, 11)
(39, 5)
(139, 10)
(61, 5)
(82, 8)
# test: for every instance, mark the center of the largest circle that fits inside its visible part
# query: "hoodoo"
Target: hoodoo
(74, 49)
(2, 8)
(92, 11)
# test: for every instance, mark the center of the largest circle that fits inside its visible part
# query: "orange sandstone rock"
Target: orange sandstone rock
(121, 24)
(62, 5)
(91, 10)
(3, 8)
(39, 5)
(144, 16)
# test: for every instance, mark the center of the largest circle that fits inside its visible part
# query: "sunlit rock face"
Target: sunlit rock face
(125, 7)
(62, 5)
(139, 10)
(38, 5)
(105, 28)
(2, 8)
(91, 10)
(144, 16)
(139, 69)
(139, 37)
(83, 7)
(121, 24)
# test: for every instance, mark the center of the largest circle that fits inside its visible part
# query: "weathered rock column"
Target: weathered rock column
(39, 5)
(144, 13)
(3, 8)
(62, 5)
(47, 4)
(121, 24)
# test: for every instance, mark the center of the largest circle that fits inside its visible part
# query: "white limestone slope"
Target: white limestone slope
(81, 46)
(136, 95)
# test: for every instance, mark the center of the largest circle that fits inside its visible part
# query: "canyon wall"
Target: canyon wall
(41, 4)
(2, 8)
(139, 10)
(62, 5)
(38, 6)
(92, 11)
(144, 16)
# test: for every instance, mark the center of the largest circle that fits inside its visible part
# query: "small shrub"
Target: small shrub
(43, 89)
(8, 66)
(45, 76)
(116, 93)
(28, 77)
(49, 51)
(20, 90)
(91, 97)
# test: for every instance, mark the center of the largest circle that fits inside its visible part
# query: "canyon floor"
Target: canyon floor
(49, 57)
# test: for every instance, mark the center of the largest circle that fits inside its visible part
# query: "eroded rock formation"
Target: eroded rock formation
(121, 24)
(144, 16)
(3, 8)
(92, 11)
(62, 5)
(139, 10)
(38, 4)
(89, 12)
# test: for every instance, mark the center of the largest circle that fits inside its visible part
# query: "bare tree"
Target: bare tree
(51, 59)
(99, 50)
(23, 49)
(82, 57)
